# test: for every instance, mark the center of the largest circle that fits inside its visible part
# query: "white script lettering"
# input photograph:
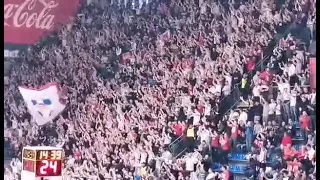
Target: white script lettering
(28, 14)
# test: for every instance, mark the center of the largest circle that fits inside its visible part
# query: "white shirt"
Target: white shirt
(203, 8)
(292, 70)
(265, 110)
(282, 86)
(14, 124)
(262, 156)
(185, 100)
(210, 176)
(313, 98)
(143, 157)
(212, 89)
(207, 109)
(311, 153)
(233, 115)
(14, 167)
(7, 133)
(286, 96)
(298, 67)
(167, 140)
(293, 101)
(20, 132)
(19, 166)
(167, 156)
(71, 161)
(256, 91)
(218, 88)
(205, 136)
(272, 108)
(8, 177)
(226, 90)
(243, 116)
(278, 109)
(190, 161)
(285, 69)
(256, 79)
(196, 118)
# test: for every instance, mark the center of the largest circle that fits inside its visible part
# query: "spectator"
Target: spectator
(153, 89)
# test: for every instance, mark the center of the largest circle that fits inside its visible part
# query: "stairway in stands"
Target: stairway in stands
(238, 161)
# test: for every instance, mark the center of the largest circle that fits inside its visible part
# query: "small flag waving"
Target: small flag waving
(43, 104)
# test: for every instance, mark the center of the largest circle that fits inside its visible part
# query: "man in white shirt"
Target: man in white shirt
(272, 107)
(190, 162)
(211, 175)
(204, 134)
(293, 108)
(286, 103)
(283, 86)
(278, 111)
(256, 91)
(311, 152)
(256, 78)
(286, 95)
(243, 117)
(196, 117)
(13, 165)
(313, 98)
(292, 69)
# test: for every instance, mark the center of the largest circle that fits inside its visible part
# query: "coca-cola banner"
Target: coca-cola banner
(27, 21)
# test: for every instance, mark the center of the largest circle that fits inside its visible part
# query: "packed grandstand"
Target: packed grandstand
(177, 90)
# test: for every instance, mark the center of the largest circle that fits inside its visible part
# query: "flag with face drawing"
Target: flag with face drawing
(44, 104)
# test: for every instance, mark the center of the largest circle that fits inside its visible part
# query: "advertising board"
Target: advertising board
(26, 22)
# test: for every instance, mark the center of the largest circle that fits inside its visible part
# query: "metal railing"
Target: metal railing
(178, 146)
(261, 65)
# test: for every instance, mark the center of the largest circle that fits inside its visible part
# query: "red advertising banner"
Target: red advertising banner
(26, 21)
(313, 71)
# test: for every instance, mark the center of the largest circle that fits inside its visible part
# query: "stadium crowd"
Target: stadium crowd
(140, 81)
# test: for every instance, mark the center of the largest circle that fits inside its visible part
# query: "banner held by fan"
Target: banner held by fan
(44, 104)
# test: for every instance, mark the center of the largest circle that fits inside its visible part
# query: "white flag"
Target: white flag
(43, 104)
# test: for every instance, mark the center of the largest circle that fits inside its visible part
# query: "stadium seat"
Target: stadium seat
(298, 135)
(297, 147)
(216, 167)
(237, 169)
(240, 157)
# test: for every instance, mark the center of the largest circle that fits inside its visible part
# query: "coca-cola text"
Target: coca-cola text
(26, 15)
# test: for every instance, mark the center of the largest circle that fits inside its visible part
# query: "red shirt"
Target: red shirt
(266, 76)
(305, 123)
(235, 131)
(293, 166)
(200, 109)
(251, 65)
(215, 141)
(178, 129)
(258, 143)
(302, 154)
(227, 145)
(288, 152)
(286, 140)
(227, 175)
